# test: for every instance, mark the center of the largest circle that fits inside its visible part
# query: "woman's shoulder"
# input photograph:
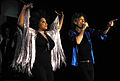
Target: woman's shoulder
(32, 30)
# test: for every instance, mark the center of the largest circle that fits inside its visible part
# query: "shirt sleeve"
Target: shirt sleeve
(97, 33)
(54, 27)
(72, 36)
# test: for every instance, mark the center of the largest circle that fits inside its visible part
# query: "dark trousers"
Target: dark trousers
(83, 72)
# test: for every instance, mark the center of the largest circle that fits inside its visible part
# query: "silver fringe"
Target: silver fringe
(57, 53)
(25, 50)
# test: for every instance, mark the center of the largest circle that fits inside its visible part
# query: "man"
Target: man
(82, 58)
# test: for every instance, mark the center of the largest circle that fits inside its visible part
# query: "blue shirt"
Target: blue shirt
(88, 35)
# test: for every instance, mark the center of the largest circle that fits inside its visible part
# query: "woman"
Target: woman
(33, 53)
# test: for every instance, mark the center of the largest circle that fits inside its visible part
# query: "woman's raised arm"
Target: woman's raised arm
(22, 14)
(61, 21)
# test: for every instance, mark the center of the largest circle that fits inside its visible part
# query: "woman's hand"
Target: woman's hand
(61, 13)
(62, 18)
(28, 5)
(21, 19)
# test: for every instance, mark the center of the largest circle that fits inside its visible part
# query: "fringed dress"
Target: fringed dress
(34, 53)
(42, 68)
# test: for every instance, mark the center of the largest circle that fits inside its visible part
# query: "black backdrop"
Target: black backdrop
(106, 52)
(98, 14)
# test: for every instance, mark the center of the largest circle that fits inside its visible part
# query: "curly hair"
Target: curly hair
(77, 15)
(36, 15)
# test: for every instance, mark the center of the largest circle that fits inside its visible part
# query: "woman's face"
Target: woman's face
(43, 24)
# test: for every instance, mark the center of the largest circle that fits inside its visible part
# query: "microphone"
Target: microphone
(85, 24)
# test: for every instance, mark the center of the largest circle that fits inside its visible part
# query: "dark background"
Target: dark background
(98, 13)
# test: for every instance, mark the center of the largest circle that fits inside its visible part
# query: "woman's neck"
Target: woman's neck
(41, 31)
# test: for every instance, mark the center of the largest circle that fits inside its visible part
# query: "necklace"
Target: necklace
(41, 33)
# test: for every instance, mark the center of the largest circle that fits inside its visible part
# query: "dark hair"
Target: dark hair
(77, 15)
(36, 15)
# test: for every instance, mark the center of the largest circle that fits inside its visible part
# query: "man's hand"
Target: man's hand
(85, 25)
(111, 23)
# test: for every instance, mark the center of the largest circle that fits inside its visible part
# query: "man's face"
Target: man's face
(80, 21)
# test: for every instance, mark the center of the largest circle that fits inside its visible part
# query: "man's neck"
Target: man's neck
(78, 29)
